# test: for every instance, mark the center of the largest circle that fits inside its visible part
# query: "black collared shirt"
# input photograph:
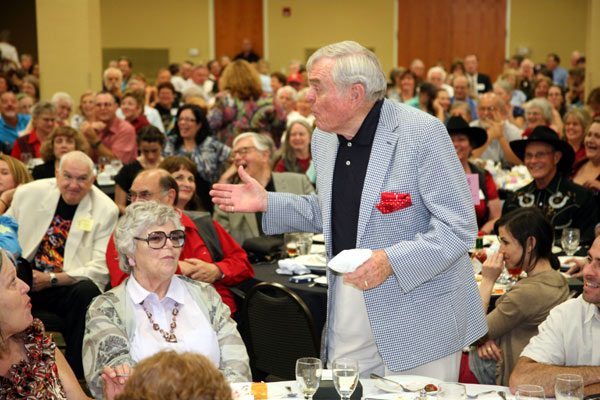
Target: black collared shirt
(269, 188)
(348, 181)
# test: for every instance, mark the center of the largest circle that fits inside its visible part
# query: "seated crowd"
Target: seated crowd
(149, 270)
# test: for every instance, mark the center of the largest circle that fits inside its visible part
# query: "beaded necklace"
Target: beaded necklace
(168, 336)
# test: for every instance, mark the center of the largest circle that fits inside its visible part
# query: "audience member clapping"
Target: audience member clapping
(515, 114)
(154, 309)
(192, 136)
(243, 106)
(61, 140)
(526, 240)
(12, 174)
(150, 144)
(87, 110)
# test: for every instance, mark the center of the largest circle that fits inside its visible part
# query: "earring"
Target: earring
(131, 261)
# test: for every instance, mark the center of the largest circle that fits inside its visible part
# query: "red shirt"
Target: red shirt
(120, 138)
(33, 140)
(303, 163)
(235, 265)
(492, 193)
(139, 123)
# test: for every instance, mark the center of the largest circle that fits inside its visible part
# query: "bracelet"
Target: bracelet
(97, 144)
(5, 203)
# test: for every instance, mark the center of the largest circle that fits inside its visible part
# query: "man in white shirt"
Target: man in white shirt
(199, 79)
(500, 132)
(565, 342)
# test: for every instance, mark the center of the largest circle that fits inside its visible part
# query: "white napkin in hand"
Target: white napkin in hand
(349, 260)
(289, 266)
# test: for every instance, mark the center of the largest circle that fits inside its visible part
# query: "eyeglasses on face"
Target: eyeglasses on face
(143, 195)
(183, 119)
(242, 151)
(158, 240)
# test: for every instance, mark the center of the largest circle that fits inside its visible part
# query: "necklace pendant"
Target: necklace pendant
(172, 338)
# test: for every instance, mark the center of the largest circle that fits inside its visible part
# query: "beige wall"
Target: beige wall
(548, 26)
(369, 23)
(68, 46)
(177, 25)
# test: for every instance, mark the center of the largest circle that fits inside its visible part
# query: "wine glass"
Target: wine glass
(529, 392)
(568, 387)
(308, 375)
(345, 376)
(570, 240)
(454, 391)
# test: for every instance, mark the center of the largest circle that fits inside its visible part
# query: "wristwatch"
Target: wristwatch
(53, 279)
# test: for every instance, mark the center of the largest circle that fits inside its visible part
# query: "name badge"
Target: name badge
(85, 224)
(480, 87)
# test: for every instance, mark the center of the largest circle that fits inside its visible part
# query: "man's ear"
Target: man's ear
(557, 157)
(171, 194)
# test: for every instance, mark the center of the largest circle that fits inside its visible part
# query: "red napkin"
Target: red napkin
(391, 202)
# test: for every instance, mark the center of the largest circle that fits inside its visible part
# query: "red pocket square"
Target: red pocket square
(391, 202)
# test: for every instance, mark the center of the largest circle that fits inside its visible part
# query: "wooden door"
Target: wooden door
(236, 20)
(446, 29)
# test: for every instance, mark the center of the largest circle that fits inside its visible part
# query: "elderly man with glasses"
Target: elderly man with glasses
(209, 255)
(64, 227)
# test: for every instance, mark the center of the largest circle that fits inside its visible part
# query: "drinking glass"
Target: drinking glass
(304, 243)
(345, 376)
(291, 244)
(454, 391)
(570, 240)
(529, 392)
(308, 375)
(568, 387)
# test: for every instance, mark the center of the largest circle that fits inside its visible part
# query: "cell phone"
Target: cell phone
(303, 278)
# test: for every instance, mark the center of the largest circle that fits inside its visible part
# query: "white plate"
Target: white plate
(312, 260)
(412, 382)
(319, 238)
(321, 281)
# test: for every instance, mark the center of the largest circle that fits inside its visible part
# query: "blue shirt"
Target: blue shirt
(559, 76)
(8, 134)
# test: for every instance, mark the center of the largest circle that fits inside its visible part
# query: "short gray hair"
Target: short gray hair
(353, 64)
(543, 105)
(504, 85)
(290, 89)
(61, 96)
(112, 69)
(42, 107)
(78, 155)
(261, 141)
(302, 94)
(138, 217)
(436, 69)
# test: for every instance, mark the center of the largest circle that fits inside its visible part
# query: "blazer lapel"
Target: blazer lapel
(325, 163)
(75, 238)
(384, 146)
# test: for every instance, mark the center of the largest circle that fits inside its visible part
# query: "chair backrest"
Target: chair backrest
(279, 328)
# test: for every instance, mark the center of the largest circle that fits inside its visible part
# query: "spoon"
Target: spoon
(375, 376)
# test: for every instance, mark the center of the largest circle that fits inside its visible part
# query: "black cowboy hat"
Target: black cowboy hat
(546, 135)
(477, 136)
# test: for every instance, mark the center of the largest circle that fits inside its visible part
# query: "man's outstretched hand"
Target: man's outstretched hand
(248, 196)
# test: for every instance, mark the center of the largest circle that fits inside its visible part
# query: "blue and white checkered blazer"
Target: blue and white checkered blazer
(430, 307)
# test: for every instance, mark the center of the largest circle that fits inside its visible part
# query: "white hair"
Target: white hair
(138, 217)
(302, 94)
(289, 89)
(61, 96)
(543, 105)
(353, 63)
(112, 69)
(436, 69)
(79, 156)
(504, 85)
(260, 141)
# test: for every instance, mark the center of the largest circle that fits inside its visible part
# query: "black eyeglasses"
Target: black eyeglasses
(158, 240)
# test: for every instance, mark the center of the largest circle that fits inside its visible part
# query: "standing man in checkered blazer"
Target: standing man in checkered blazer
(389, 180)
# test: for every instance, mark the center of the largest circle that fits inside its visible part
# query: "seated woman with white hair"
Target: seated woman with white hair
(538, 112)
(437, 76)
(64, 105)
(154, 309)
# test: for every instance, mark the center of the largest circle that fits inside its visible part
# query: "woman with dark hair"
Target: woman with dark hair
(526, 238)
(424, 100)
(192, 137)
(150, 143)
(193, 190)
(457, 68)
(60, 141)
(405, 87)
(242, 106)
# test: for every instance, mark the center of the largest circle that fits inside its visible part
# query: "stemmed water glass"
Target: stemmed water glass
(570, 240)
(529, 392)
(345, 376)
(568, 387)
(308, 375)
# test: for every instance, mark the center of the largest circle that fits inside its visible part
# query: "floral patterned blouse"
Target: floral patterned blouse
(36, 377)
(209, 156)
(231, 116)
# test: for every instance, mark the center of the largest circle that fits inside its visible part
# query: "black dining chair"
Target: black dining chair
(279, 329)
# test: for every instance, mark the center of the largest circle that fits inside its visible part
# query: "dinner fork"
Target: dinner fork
(475, 396)
(404, 388)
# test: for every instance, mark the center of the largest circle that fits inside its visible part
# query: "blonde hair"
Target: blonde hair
(17, 169)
